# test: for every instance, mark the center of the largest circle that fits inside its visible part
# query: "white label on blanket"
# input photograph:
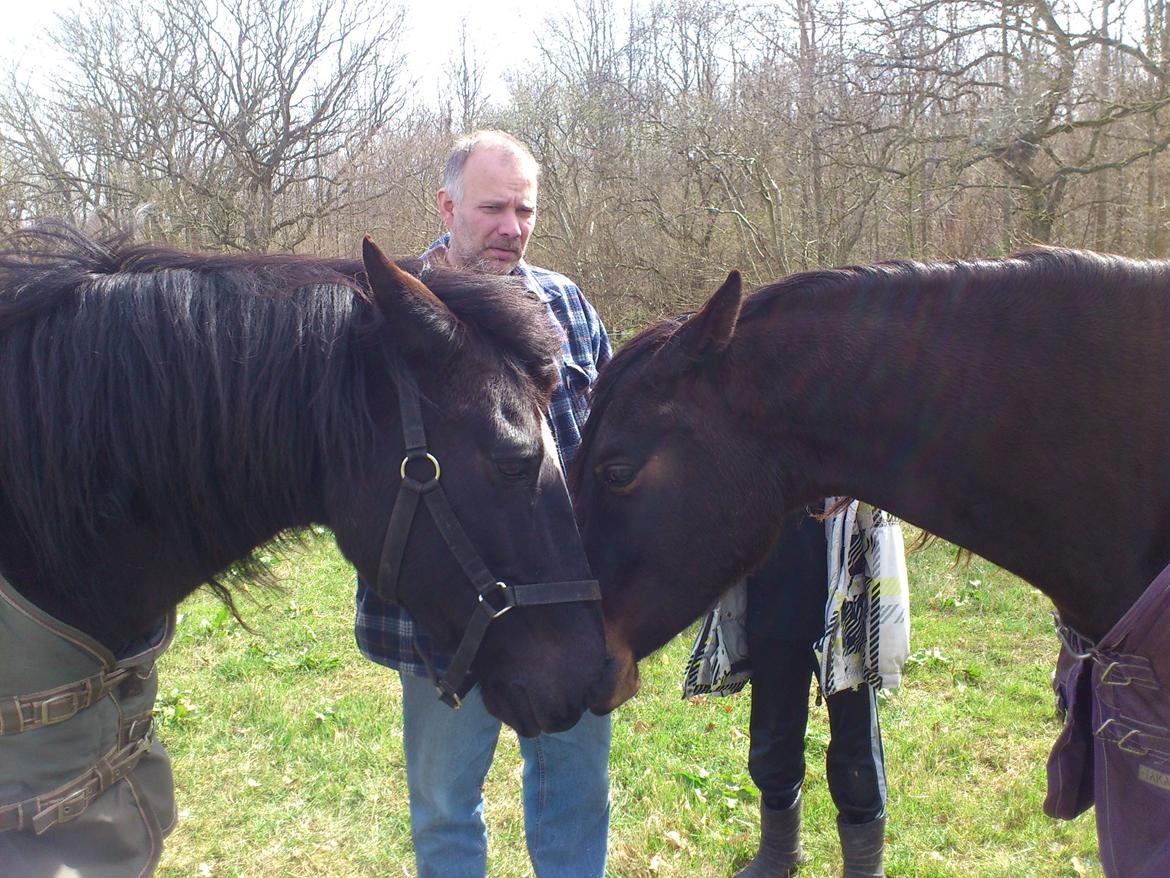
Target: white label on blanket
(1157, 778)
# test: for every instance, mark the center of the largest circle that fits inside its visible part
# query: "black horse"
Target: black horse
(166, 413)
(1019, 408)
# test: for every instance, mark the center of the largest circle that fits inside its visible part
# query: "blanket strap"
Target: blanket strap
(68, 801)
(21, 713)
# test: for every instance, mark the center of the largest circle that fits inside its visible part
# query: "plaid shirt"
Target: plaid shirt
(385, 632)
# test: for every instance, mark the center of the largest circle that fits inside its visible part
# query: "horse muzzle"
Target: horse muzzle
(620, 682)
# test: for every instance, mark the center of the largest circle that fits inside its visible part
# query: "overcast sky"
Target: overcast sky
(503, 33)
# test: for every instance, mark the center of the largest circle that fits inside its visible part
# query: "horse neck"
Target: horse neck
(914, 401)
(201, 506)
(141, 571)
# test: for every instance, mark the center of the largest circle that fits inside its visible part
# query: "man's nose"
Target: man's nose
(510, 224)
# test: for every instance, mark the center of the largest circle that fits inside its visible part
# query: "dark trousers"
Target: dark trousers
(785, 617)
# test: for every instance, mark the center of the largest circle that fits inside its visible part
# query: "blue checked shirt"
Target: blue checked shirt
(385, 632)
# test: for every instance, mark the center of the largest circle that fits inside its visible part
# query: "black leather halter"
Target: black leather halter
(494, 597)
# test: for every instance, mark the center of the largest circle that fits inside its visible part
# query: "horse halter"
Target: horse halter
(494, 596)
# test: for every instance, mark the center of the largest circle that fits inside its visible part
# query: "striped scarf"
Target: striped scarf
(867, 617)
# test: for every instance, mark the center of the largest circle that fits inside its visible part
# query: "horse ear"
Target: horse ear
(707, 335)
(423, 327)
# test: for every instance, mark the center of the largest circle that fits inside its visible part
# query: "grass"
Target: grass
(288, 754)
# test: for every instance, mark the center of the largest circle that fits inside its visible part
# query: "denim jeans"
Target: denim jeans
(565, 788)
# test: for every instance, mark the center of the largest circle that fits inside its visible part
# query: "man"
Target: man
(488, 203)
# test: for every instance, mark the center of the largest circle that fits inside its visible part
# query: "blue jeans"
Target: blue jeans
(565, 788)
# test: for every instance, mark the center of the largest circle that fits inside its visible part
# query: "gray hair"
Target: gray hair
(487, 138)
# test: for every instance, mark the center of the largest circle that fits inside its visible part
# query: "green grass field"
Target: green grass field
(288, 754)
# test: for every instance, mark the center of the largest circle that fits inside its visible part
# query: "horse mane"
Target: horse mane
(1061, 269)
(145, 384)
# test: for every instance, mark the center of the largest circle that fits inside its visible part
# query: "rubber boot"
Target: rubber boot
(779, 852)
(861, 848)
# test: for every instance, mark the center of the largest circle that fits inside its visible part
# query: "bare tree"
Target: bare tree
(238, 119)
(1157, 92)
(677, 138)
(465, 83)
(1027, 79)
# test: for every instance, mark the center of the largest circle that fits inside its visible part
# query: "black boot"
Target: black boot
(779, 852)
(861, 848)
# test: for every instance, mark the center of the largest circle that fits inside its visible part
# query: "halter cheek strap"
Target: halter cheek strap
(494, 597)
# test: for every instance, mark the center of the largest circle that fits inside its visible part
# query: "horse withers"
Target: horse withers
(1016, 407)
(166, 413)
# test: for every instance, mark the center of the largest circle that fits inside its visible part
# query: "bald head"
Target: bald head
(488, 201)
(485, 139)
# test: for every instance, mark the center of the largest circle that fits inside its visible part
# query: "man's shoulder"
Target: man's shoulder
(554, 283)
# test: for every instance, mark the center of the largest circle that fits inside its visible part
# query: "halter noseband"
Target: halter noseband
(494, 596)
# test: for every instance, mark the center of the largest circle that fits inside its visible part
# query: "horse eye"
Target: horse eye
(618, 475)
(512, 469)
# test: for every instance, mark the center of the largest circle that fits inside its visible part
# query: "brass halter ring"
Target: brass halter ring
(430, 457)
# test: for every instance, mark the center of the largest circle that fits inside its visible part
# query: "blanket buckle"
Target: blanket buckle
(59, 708)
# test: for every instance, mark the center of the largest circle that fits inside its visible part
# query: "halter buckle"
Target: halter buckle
(508, 598)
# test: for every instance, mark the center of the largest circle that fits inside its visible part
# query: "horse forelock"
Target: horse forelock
(630, 362)
(505, 315)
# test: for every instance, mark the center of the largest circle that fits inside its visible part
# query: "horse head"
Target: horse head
(662, 474)
(491, 458)
(170, 412)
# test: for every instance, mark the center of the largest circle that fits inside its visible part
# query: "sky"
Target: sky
(503, 33)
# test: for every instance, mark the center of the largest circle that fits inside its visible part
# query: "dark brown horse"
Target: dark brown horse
(1019, 408)
(165, 413)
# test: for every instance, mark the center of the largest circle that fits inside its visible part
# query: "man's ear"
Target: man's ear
(446, 205)
(421, 326)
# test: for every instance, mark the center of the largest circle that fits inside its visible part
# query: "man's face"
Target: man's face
(490, 226)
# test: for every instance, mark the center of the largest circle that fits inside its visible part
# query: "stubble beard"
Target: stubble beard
(488, 265)
(491, 266)
(479, 262)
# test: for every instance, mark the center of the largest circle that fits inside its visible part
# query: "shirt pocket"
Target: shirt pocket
(578, 378)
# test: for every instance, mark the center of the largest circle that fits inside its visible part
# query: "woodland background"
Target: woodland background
(678, 138)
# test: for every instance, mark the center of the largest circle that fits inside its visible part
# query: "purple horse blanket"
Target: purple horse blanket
(1114, 749)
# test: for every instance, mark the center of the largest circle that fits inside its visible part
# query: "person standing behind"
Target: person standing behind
(488, 204)
(838, 586)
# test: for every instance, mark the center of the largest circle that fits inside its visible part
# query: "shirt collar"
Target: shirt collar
(522, 270)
